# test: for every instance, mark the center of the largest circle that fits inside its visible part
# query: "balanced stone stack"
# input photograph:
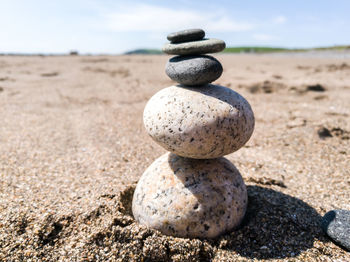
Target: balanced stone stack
(192, 191)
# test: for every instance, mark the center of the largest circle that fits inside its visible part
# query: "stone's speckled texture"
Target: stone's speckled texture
(199, 47)
(336, 224)
(186, 35)
(199, 122)
(186, 197)
(193, 70)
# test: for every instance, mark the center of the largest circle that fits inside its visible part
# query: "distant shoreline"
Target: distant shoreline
(325, 54)
(229, 50)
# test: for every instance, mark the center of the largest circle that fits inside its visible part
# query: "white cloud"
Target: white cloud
(264, 37)
(161, 19)
(280, 19)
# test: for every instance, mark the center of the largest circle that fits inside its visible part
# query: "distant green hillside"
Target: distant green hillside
(254, 49)
(249, 49)
(265, 49)
(336, 48)
(144, 52)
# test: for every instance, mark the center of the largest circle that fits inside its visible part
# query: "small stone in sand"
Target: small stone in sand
(316, 88)
(186, 35)
(336, 224)
(324, 132)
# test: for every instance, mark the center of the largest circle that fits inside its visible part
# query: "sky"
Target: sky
(114, 26)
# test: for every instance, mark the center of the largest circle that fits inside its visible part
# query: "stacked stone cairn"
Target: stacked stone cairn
(192, 191)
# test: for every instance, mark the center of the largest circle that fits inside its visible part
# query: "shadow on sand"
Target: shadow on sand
(276, 225)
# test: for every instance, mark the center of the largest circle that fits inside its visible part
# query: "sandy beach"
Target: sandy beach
(73, 146)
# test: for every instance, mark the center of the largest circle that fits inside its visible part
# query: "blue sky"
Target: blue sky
(107, 26)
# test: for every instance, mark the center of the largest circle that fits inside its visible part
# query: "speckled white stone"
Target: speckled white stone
(186, 197)
(199, 122)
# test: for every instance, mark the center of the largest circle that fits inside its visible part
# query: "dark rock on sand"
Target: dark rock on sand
(194, 70)
(186, 35)
(324, 132)
(316, 88)
(336, 224)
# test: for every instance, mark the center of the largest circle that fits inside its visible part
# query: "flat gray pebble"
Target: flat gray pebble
(336, 224)
(193, 70)
(186, 197)
(199, 47)
(186, 35)
(199, 122)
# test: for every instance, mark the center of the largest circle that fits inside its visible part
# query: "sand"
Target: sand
(73, 145)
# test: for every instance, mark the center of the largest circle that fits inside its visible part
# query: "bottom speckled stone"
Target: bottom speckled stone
(186, 197)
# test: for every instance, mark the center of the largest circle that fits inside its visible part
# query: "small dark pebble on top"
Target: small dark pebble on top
(336, 224)
(186, 35)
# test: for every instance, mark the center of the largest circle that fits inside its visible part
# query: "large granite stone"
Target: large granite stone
(186, 35)
(199, 122)
(336, 224)
(193, 70)
(186, 197)
(199, 47)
